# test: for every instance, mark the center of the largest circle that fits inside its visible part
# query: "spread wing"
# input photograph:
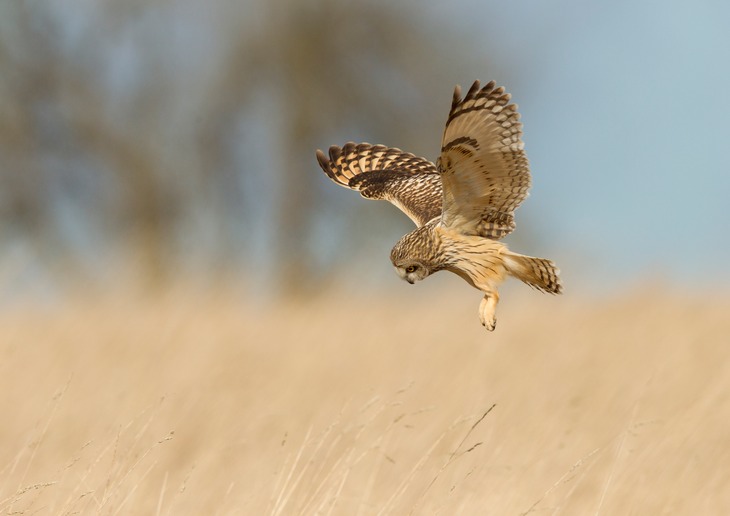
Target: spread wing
(484, 169)
(411, 183)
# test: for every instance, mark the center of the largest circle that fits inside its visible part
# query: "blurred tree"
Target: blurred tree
(59, 137)
(26, 80)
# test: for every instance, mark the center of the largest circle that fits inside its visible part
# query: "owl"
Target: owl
(462, 205)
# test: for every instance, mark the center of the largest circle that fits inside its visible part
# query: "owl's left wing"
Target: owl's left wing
(484, 169)
(411, 183)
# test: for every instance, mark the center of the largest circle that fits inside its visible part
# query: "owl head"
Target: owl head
(413, 256)
(412, 270)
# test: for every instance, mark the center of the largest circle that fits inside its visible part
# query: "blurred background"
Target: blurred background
(148, 142)
(264, 358)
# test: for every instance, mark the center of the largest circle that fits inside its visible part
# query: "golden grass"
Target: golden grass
(360, 404)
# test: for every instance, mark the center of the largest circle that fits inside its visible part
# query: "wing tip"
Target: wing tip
(473, 90)
(334, 152)
(327, 164)
(322, 159)
(477, 90)
(471, 93)
(457, 96)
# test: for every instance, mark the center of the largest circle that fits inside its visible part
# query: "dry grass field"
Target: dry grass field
(365, 404)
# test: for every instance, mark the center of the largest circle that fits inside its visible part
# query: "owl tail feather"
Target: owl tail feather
(539, 273)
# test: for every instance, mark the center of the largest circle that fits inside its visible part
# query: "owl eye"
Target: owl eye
(411, 268)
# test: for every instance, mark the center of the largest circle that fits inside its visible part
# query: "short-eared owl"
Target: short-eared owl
(463, 205)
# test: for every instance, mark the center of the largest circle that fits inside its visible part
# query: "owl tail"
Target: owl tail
(539, 273)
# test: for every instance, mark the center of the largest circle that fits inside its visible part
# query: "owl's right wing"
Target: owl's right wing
(411, 183)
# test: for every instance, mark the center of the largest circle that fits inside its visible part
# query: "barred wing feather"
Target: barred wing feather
(484, 169)
(411, 183)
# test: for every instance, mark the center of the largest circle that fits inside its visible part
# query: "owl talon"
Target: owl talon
(491, 325)
(486, 310)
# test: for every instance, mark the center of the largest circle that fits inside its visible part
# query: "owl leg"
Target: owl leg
(487, 308)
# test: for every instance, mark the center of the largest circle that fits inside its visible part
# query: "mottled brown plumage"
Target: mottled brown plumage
(413, 184)
(462, 205)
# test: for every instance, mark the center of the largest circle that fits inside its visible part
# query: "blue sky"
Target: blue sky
(626, 107)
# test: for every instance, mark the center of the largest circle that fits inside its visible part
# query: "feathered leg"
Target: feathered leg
(487, 309)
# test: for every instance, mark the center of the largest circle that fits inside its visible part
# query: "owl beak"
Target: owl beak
(409, 280)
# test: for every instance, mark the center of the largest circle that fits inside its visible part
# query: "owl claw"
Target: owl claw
(490, 325)
(486, 310)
